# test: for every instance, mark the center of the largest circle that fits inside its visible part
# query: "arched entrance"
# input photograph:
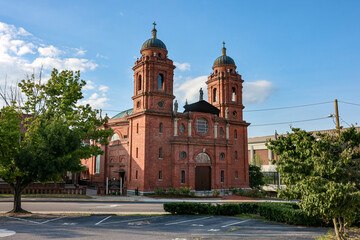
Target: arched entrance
(202, 173)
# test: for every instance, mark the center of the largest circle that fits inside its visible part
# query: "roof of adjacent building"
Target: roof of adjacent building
(123, 113)
(263, 139)
(201, 106)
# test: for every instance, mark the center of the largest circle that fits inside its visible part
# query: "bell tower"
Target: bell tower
(153, 77)
(225, 87)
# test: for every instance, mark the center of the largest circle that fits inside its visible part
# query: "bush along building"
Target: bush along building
(156, 147)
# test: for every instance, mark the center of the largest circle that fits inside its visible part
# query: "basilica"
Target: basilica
(154, 146)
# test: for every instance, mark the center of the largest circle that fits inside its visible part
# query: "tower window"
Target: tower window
(222, 176)
(160, 175)
(233, 96)
(235, 134)
(137, 152)
(182, 177)
(159, 55)
(160, 128)
(222, 156)
(214, 95)
(160, 153)
(221, 131)
(139, 83)
(137, 128)
(236, 175)
(183, 155)
(236, 156)
(161, 81)
(136, 174)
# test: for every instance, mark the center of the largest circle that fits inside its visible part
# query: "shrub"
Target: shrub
(215, 193)
(185, 191)
(171, 191)
(256, 177)
(159, 191)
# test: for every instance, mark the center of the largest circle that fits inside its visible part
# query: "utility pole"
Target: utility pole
(337, 117)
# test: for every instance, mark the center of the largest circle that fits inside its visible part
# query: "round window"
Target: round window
(202, 126)
(222, 156)
(221, 131)
(183, 155)
(182, 128)
(234, 113)
(161, 104)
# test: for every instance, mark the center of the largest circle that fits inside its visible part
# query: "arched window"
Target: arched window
(160, 128)
(137, 152)
(160, 153)
(236, 156)
(214, 95)
(114, 137)
(235, 134)
(159, 55)
(161, 81)
(221, 131)
(182, 128)
(233, 96)
(139, 83)
(137, 128)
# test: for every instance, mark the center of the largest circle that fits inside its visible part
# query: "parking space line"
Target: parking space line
(131, 220)
(259, 234)
(186, 221)
(52, 220)
(227, 225)
(24, 220)
(103, 220)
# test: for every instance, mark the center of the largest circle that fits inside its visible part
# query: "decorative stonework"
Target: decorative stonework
(202, 158)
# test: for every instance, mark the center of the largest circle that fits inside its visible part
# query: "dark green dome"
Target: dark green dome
(223, 60)
(153, 42)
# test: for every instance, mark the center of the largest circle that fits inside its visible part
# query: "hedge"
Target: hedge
(280, 212)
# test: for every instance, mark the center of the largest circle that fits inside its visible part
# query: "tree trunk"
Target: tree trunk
(336, 229)
(17, 199)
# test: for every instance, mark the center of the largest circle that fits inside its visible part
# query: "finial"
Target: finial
(154, 30)
(224, 49)
(186, 103)
(201, 94)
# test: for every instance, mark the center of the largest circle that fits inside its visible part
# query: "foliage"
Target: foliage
(215, 193)
(46, 132)
(256, 177)
(281, 212)
(256, 161)
(159, 191)
(184, 191)
(323, 173)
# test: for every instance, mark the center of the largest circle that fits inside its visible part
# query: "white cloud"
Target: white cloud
(21, 53)
(103, 88)
(49, 51)
(98, 55)
(257, 92)
(89, 85)
(96, 102)
(182, 66)
(93, 96)
(80, 52)
(190, 89)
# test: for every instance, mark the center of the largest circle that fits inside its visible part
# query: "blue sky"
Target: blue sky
(288, 52)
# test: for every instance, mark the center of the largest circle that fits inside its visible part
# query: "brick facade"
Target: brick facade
(158, 147)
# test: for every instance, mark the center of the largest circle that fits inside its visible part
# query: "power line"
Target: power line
(279, 108)
(356, 104)
(306, 120)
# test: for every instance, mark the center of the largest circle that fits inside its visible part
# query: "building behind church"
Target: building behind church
(156, 147)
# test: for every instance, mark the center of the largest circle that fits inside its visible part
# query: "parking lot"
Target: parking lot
(148, 227)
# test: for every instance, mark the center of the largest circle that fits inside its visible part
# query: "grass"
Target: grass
(353, 234)
(47, 196)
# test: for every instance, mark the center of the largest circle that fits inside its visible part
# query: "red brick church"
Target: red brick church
(156, 147)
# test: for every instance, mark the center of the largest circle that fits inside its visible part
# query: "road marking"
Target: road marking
(197, 225)
(24, 220)
(132, 220)
(70, 224)
(235, 223)
(103, 220)
(260, 234)
(6, 233)
(186, 221)
(52, 220)
(213, 230)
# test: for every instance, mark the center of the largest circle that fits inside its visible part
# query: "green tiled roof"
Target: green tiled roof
(123, 113)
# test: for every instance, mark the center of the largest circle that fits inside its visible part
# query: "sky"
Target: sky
(289, 53)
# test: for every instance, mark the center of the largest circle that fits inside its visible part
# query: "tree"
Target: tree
(42, 136)
(323, 173)
(256, 177)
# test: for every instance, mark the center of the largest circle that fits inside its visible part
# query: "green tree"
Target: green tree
(323, 173)
(256, 177)
(42, 136)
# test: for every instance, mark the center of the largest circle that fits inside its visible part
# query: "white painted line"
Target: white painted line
(103, 220)
(6, 233)
(24, 220)
(261, 234)
(227, 225)
(186, 221)
(52, 220)
(131, 220)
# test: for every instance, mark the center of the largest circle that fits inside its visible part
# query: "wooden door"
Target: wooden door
(202, 178)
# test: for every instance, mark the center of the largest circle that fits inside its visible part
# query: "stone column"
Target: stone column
(216, 130)
(176, 126)
(252, 154)
(189, 128)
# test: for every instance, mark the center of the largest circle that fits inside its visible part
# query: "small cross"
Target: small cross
(154, 24)
(223, 44)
